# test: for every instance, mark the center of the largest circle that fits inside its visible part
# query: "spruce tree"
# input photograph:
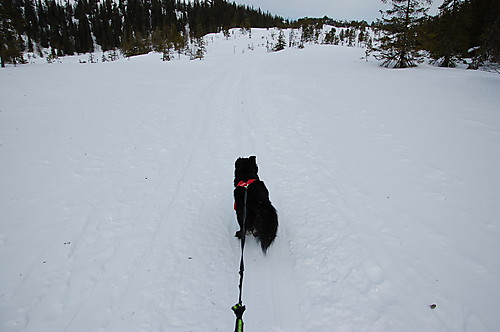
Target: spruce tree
(11, 22)
(446, 39)
(199, 49)
(281, 42)
(31, 20)
(449, 11)
(330, 37)
(398, 42)
(84, 42)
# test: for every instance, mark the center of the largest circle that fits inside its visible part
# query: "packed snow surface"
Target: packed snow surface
(116, 193)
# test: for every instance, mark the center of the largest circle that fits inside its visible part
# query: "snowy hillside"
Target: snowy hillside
(116, 193)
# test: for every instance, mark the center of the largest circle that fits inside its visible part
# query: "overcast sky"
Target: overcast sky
(337, 9)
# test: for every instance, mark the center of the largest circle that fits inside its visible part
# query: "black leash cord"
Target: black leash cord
(239, 308)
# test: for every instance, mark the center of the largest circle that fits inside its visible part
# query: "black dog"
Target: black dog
(261, 218)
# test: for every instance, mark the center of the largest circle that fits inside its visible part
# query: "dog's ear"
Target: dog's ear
(253, 160)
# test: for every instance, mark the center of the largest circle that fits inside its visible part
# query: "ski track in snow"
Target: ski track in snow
(117, 193)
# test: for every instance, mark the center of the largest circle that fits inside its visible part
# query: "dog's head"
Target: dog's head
(246, 168)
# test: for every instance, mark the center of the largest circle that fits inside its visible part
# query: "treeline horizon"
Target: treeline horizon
(70, 28)
(139, 26)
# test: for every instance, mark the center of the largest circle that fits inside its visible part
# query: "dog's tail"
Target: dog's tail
(266, 225)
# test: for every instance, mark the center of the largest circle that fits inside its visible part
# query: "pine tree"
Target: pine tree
(449, 11)
(399, 43)
(199, 49)
(11, 22)
(486, 21)
(351, 36)
(116, 25)
(342, 36)
(281, 42)
(31, 20)
(446, 35)
(330, 37)
(83, 42)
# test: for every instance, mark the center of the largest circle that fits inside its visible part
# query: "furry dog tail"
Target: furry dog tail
(266, 225)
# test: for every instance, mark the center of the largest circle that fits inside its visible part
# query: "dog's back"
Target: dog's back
(261, 217)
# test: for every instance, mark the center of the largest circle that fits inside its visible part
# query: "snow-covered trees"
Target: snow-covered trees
(131, 26)
(281, 42)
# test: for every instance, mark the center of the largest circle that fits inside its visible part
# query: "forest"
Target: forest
(133, 26)
(461, 29)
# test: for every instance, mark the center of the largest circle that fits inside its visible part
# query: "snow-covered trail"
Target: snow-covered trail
(118, 213)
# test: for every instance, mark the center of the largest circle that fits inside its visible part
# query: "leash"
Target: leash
(239, 308)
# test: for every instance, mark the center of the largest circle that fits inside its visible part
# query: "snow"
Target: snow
(116, 192)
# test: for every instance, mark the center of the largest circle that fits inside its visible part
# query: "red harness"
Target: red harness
(244, 184)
